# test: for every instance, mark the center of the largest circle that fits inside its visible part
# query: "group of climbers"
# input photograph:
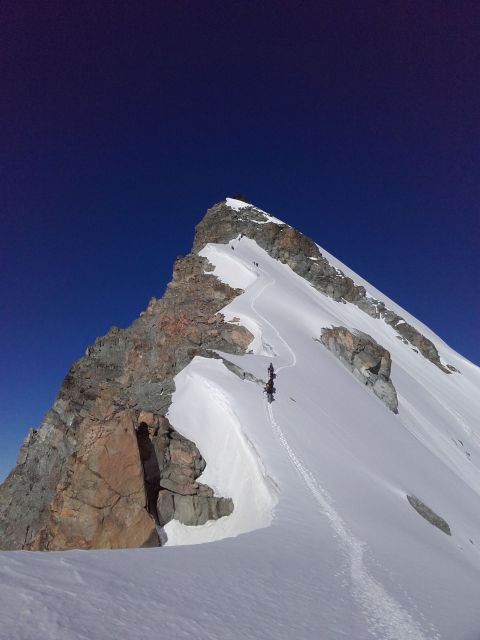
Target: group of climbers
(269, 388)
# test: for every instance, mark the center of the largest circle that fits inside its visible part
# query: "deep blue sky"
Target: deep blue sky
(121, 122)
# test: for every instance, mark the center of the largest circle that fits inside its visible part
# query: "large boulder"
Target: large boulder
(191, 510)
(369, 361)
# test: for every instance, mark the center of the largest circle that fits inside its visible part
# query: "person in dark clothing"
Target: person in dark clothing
(269, 390)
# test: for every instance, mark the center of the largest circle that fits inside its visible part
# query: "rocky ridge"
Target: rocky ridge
(79, 480)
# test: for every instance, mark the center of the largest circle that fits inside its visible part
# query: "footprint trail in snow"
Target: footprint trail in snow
(386, 618)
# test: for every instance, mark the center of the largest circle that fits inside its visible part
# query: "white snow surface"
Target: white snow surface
(322, 543)
(236, 205)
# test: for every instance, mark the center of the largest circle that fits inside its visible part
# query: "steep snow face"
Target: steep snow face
(442, 347)
(331, 547)
(354, 459)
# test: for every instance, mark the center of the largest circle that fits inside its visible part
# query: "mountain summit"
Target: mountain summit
(359, 477)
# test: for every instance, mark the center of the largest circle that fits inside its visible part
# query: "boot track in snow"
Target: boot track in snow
(385, 617)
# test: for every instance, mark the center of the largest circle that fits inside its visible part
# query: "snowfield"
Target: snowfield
(322, 543)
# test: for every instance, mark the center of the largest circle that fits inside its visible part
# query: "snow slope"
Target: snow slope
(330, 548)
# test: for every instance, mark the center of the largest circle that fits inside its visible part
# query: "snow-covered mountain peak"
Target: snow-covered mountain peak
(355, 481)
(314, 264)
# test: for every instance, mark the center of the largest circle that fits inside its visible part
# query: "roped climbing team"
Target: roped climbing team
(269, 388)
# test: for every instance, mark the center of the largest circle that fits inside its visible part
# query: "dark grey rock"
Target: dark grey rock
(204, 490)
(224, 507)
(429, 515)
(197, 510)
(179, 484)
(165, 507)
(241, 373)
(189, 511)
(368, 361)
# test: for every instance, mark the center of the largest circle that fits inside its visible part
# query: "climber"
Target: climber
(268, 389)
(270, 370)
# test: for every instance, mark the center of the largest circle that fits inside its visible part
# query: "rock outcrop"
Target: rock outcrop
(171, 466)
(369, 361)
(100, 500)
(79, 481)
(429, 515)
(193, 510)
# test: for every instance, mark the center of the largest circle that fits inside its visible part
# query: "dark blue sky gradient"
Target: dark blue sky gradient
(121, 122)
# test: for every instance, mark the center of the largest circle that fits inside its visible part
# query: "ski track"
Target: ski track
(385, 617)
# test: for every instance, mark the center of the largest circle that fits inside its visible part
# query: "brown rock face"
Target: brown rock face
(100, 503)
